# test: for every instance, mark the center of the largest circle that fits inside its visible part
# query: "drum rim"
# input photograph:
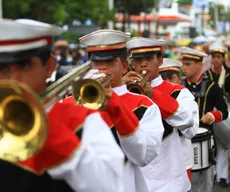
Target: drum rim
(201, 169)
(205, 136)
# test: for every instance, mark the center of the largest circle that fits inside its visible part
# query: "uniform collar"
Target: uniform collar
(157, 81)
(217, 72)
(120, 90)
(199, 79)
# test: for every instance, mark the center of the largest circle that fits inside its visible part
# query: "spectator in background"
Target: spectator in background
(57, 74)
(176, 53)
(83, 55)
(56, 53)
(169, 50)
(63, 59)
(76, 58)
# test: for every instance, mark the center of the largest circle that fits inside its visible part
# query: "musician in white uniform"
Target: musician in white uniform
(80, 153)
(167, 172)
(170, 71)
(134, 119)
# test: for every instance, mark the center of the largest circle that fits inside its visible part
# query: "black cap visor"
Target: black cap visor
(106, 55)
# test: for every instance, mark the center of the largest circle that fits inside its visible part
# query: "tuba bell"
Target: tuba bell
(23, 121)
(137, 86)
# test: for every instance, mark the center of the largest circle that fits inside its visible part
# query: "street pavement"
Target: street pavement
(217, 188)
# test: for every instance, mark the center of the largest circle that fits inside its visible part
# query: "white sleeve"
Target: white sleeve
(191, 132)
(99, 163)
(184, 117)
(144, 145)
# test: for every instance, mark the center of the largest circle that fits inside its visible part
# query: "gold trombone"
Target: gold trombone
(137, 86)
(23, 122)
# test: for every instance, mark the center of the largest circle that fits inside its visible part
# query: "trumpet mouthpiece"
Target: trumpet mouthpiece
(144, 72)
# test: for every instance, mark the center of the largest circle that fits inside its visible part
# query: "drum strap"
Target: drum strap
(201, 92)
(221, 79)
(204, 85)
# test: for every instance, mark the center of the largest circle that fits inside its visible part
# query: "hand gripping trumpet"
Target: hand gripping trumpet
(23, 122)
(137, 86)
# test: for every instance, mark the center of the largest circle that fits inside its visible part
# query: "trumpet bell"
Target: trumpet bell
(23, 125)
(23, 121)
(89, 93)
(135, 88)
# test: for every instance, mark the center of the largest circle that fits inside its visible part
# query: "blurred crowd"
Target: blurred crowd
(66, 56)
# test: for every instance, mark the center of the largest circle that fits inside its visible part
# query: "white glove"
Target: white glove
(94, 74)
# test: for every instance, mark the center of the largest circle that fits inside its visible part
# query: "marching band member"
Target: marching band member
(227, 65)
(227, 44)
(85, 161)
(167, 171)
(134, 119)
(170, 71)
(208, 96)
(220, 73)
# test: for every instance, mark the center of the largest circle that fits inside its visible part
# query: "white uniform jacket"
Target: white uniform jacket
(167, 172)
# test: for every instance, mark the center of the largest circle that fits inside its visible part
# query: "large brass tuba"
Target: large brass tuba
(23, 122)
(137, 86)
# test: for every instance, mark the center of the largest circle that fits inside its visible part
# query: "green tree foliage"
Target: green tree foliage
(184, 2)
(96, 10)
(49, 10)
(135, 7)
(59, 11)
(223, 13)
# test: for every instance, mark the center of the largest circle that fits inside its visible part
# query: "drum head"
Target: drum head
(201, 130)
(202, 135)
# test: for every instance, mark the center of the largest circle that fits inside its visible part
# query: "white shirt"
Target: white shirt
(143, 146)
(98, 165)
(187, 151)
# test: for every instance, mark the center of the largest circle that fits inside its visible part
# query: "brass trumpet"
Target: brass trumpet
(90, 93)
(23, 122)
(137, 86)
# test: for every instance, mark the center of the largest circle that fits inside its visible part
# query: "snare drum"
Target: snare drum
(201, 148)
